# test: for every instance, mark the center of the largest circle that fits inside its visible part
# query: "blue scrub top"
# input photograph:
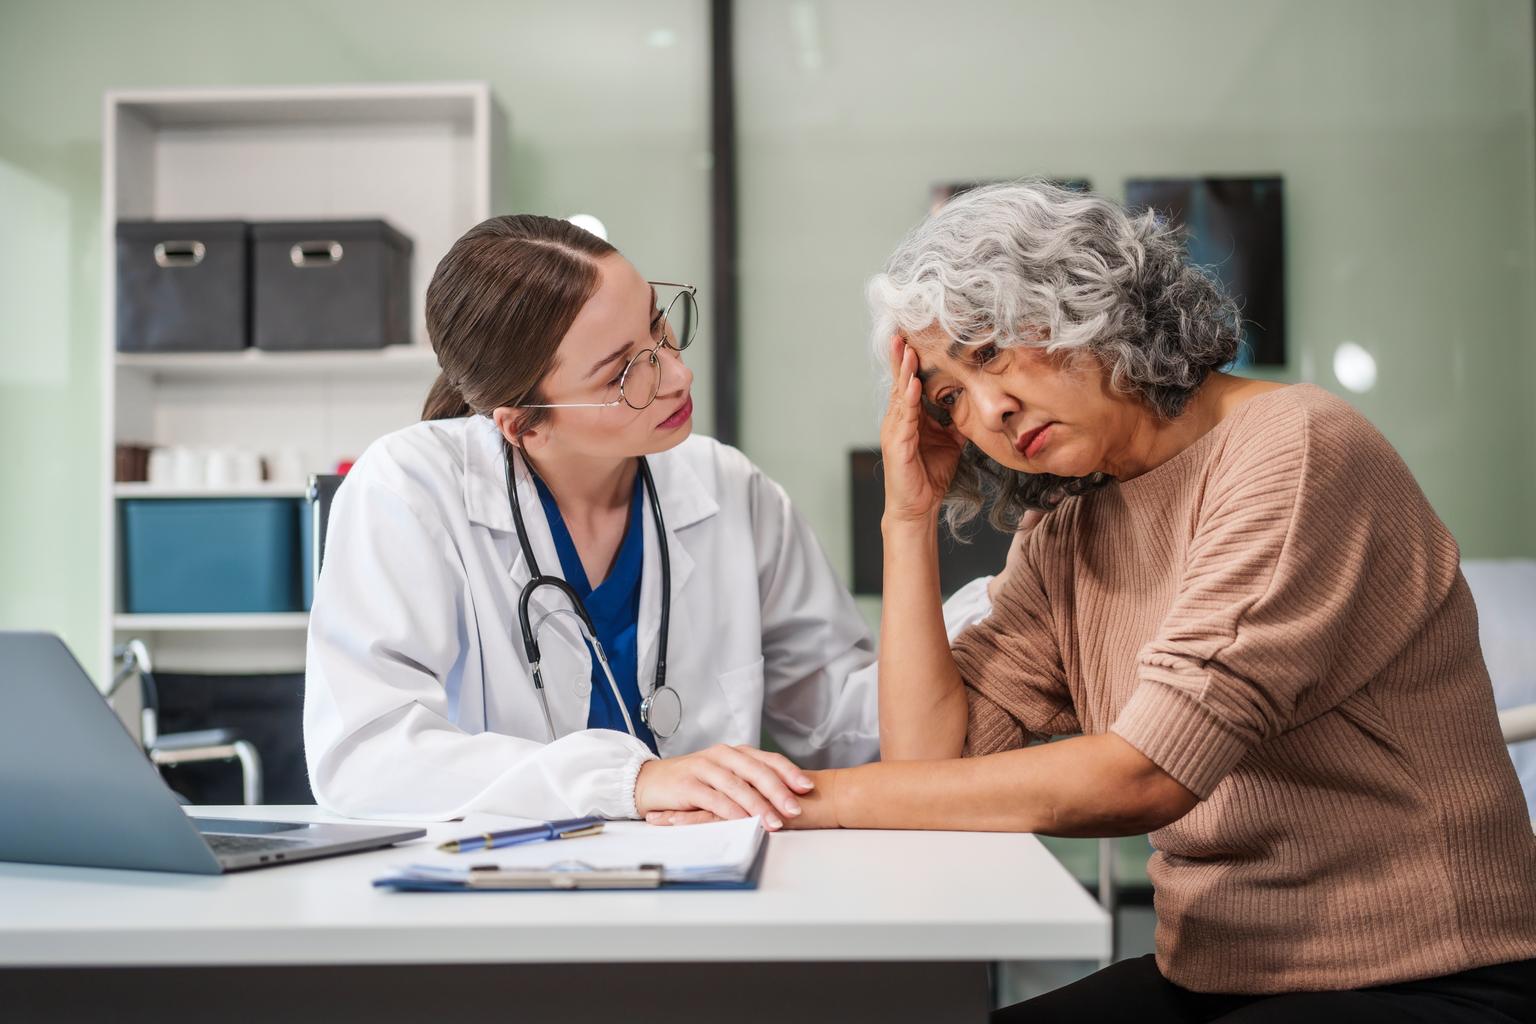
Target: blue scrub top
(615, 610)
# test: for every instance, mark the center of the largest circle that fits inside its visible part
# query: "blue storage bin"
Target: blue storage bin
(210, 555)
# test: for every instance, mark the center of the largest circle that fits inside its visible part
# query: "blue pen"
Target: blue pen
(571, 828)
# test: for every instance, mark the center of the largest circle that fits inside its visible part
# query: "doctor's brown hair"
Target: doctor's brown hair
(497, 307)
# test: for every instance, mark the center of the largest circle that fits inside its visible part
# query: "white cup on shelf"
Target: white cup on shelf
(288, 468)
(219, 469)
(247, 469)
(162, 467)
(189, 468)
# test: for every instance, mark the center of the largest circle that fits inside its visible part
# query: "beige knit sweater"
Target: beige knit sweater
(1276, 617)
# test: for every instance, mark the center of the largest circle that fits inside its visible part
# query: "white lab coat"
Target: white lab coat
(419, 702)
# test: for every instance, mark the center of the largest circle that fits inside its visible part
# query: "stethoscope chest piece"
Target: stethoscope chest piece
(662, 712)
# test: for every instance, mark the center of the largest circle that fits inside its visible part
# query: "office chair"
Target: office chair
(320, 494)
(1519, 724)
(132, 660)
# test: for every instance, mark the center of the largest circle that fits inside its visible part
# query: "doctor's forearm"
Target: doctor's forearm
(922, 700)
(1087, 786)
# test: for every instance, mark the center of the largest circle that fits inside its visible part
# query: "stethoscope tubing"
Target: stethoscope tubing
(578, 608)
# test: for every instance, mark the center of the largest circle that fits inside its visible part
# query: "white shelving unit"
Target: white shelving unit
(264, 490)
(406, 362)
(421, 156)
(230, 623)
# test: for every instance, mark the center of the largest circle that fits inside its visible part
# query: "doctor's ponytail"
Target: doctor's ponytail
(497, 307)
(444, 401)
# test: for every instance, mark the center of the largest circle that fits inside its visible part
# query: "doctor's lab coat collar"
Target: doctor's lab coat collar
(684, 498)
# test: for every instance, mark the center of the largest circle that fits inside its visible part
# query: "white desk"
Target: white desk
(846, 926)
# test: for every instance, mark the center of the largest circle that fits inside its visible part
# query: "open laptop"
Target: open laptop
(75, 788)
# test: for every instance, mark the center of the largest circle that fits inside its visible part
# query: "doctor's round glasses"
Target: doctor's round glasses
(671, 327)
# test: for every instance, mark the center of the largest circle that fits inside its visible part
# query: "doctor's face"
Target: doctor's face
(614, 331)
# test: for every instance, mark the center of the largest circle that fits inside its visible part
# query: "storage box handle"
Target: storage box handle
(179, 254)
(316, 254)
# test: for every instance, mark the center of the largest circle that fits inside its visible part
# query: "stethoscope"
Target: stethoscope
(662, 708)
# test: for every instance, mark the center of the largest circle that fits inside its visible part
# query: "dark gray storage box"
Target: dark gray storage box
(330, 285)
(182, 286)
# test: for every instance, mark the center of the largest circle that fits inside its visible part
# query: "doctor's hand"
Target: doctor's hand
(919, 455)
(723, 781)
(818, 808)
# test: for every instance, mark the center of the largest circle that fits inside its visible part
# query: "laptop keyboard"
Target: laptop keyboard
(226, 844)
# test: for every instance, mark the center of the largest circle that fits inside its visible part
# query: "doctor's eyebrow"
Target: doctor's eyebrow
(618, 354)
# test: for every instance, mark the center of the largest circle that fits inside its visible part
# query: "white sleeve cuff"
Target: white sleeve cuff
(624, 799)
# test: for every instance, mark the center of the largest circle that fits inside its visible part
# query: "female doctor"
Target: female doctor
(547, 599)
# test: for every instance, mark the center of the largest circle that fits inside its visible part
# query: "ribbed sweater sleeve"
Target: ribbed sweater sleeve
(1011, 665)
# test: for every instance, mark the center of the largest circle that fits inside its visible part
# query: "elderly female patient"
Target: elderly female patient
(1237, 595)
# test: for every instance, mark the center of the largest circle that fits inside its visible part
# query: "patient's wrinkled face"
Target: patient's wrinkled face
(1026, 408)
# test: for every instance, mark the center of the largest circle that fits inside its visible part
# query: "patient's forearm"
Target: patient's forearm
(1087, 786)
(922, 700)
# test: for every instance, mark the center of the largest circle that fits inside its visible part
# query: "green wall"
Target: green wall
(1404, 130)
(603, 120)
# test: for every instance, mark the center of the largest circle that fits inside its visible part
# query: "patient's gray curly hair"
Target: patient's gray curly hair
(1034, 264)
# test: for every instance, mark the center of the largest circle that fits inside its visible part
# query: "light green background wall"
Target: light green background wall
(1404, 129)
(601, 121)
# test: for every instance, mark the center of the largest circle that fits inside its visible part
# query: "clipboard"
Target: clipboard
(643, 878)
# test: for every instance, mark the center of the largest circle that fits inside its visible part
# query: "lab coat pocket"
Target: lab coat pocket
(743, 690)
(726, 708)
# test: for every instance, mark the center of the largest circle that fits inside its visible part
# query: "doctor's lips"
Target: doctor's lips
(681, 415)
(1031, 441)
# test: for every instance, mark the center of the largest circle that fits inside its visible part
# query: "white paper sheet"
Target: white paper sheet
(722, 851)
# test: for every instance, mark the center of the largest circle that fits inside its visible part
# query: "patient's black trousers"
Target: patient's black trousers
(1135, 991)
